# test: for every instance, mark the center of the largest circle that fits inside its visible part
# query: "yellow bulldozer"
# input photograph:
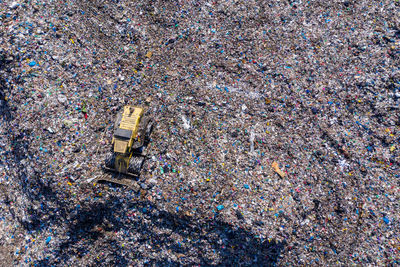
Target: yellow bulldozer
(132, 131)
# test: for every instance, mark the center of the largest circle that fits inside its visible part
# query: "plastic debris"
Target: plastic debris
(276, 168)
(186, 122)
(311, 88)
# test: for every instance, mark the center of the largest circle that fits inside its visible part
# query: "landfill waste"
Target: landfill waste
(276, 168)
(235, 88)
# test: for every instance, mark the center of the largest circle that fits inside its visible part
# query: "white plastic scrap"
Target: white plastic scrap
(14, 5)
(252, 137)
(186, 123)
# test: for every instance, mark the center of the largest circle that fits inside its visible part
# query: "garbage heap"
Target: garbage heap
(276, 138)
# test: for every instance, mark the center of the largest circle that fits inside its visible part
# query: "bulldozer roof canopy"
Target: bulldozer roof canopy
(123, 133)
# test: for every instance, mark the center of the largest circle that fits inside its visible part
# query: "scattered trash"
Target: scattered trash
(386, 220)
(149, 54)
(276, 168)
(186, 122)
(62, 98)
(14, 5)
(308, 87)
(252, 137)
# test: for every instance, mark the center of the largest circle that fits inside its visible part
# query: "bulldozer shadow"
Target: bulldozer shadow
(119, 233)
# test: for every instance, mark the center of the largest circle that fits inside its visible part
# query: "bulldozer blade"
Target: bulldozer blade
(122, 181)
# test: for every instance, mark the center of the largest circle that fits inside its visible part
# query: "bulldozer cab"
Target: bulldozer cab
(127, 130)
